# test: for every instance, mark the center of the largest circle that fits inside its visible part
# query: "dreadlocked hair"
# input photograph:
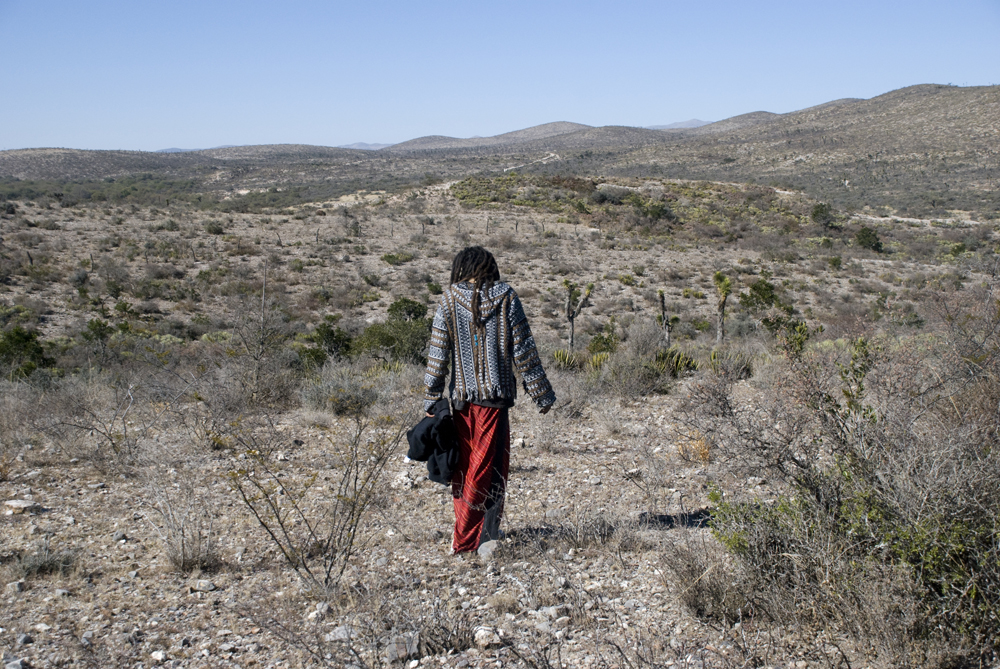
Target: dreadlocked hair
(478, 266)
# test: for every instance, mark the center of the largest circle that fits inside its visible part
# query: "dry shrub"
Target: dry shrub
(703, 576)
(18, 406)
(43, 561)
(319, 523)
(694, 447)
(183, 517)
(884, 449)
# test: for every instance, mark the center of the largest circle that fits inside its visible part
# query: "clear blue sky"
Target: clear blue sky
(141, 75)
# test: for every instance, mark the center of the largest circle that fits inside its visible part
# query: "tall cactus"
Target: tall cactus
(663, 321)
(723, 287)
(576, 301)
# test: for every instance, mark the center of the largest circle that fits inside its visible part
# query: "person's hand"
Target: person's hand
(545, 409)
(430, 415)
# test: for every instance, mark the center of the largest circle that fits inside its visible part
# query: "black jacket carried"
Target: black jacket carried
(433, 441)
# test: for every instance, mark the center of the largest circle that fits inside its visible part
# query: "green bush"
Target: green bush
(604, 342)
(867, 238)
(405, 309)
(822, 214)
(21, 353)
(332, 339)
(397, 258)
(403, 337)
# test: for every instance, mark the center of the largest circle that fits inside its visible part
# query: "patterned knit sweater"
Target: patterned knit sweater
(483, 360)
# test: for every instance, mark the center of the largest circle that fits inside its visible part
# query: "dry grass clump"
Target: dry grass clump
(43, 560)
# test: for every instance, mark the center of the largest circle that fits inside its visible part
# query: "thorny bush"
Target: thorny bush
(884, 448)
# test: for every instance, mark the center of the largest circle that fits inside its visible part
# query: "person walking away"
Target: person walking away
(481, 333)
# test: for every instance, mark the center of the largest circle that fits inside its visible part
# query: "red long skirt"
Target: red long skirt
(480, 482)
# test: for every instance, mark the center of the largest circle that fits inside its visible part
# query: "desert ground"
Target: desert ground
(203, 433)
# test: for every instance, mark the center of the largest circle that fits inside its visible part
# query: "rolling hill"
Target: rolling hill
(926, 150)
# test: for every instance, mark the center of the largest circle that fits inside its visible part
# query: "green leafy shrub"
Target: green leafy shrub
(397, 258)
(403, 337)
(604, 342)
(21, 353)
(867, 238)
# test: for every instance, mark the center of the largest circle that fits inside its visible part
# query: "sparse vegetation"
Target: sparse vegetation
(215, 389)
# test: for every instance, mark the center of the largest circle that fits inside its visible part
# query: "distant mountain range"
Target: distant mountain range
(680, 125)
(224, 146)
(921, 150)
(363, 146)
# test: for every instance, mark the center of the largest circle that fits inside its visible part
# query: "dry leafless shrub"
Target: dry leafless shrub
(18, 407)
(183, 517)
(318, 523)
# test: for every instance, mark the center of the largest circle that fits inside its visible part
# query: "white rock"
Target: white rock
(13, 506)
(487, 636)
(158, 656)
(201, 585)
(15, 587)
(487, 549)
(341, 633)
(403, 647)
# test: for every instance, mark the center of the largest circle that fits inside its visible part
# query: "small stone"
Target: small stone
(341, 633)
(202, 585)
(562, 622)
(158, 655)
(551, 611)
(70, 520)
(520, 442)
(594, 480)
(554, 513)
(14, 506)
(133, 574)
(487, 549)
(227, 648)
(381, 562)
(16, 663)
(15, 587)
(97, 486)
(42, 627)
(487, 636)
(403, 647)
(24, 639)
(119, 536)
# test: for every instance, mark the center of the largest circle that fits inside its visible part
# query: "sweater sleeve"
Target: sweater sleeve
(437, 357)
(526, 359)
